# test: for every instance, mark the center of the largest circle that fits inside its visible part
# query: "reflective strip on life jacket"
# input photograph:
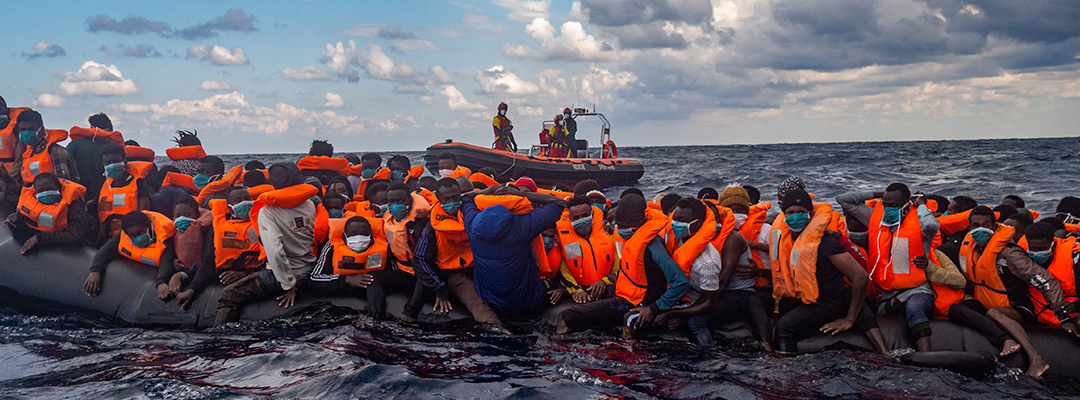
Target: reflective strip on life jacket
(794, 262)
(588, 259)
(981, 268)
(49, 217)
(348, 262)
(234, 238)
(163, 229)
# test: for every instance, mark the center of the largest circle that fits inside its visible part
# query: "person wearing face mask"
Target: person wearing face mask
(187, 153)
(649, 281)
(357, 251)
(146, 237)
(504, 135)
(449, 168)
(192, 222)
(901, 235)
(85, 148)
(38, 150)
(402, 170)
(285, 221)
(750, 222)
(212, 180)
(810, 265)
(571, 131)
(1060, 257)
(588, 250)
(368, 172)
(558, 141)
(125, 189)
(8, 135)
(374, 204)
(51, 212)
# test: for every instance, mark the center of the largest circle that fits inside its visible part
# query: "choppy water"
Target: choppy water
(49, 353)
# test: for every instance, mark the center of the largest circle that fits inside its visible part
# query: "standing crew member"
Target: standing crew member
(558, 143)
(571, 131)
(504, 137)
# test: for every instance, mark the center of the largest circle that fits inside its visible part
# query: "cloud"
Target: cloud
(400, 38)
(233, 20)
(218, 55)
(48, 100)
(497, 80)
(308, 73)
(214, 86)
(573, 44)
(334, 100)
(46, 49)
(457, 102)
(139, 51)
(347, 63)
(524, 10)
(95, 79)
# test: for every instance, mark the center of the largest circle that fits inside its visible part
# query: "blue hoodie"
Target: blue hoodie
(504, 266)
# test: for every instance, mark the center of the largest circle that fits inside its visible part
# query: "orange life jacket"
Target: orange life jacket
(348, 262)
(451, 240)
(383, 174)
(180, 180)
(324, 163)
(114, 137)
(258, 190)
(751, 230)
(185, 153)
(33, 164)
(49, 217)
(548, 261)
(588, 259)
(9, 138)
(693, 246)
(953, 223)
(289, 197)
(415, 172)
(163, 229)
(891, 252)
(234, 238)
(981, 269)
(483, 178)
(233, 177)
(461, 171)
(429, 196)
(136, 153)
(124, 199)
(794, 262)
(1062, 269)
(632, 282)
(322, 226)
(397, 236)
(556, 193)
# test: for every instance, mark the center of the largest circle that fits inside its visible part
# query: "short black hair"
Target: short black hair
(255, 178)
(668, 202)
(1069, 205)
(631, 208)
(753, 192)
(371, 156)
(46, 176)
(900, 187)
(708, 193)
(188, 200)
(489, 172)
(560, 187)
(133, 219)
(341, 179)
(1024, 219)
(215, 162)
(1058, 225)
(426, 180)
(375, 188)
(1016, 199)
(1004, 212)
(228, 191)
(963, 203)
(253, 165)
(187, 138)
(983, 211)
(477, 185)
(448, 155)
(584, 187)
(100, 121)
(445, 183)
(577, 201)
(131, 142)
(399, 159)
(942, 202)
(321, 148)
(632, 190)
(358, 220)
(696, 207)
(398, 186)
(29, 116)
(113, 149)
(1040, 230)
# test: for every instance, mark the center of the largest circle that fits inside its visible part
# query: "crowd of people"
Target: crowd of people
(502, 246)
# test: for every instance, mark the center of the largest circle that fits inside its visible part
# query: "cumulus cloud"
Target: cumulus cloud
(457, 101)
(218, 55)
(308, 73)
(214, 86)
(497, 80)
(233, 20)
(573, 44)
(525, 10)
(400, 38)
(347, 63)
(46, 49)
(95, 79)
(334, 100)
(48, 100)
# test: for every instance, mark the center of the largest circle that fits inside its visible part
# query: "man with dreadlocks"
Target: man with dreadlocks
(188, 151)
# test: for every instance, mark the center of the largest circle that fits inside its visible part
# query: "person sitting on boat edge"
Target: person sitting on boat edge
(1060, 257)
(590, 260)
(52, 212)
(285, 219)
(356, 250)
(649, 281)
(449, 168)
(145, 237)
(814, 278)
(85, 149)
(39, 150)
(504, 135)
(192, 222)
(405, 213)
(751, 225)
(125, 189)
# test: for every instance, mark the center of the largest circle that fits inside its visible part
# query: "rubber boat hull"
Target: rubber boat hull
(543, 170)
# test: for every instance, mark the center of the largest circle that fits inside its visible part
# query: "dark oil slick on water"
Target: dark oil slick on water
(50, 353)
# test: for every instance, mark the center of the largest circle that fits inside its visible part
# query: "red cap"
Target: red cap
(526, 182)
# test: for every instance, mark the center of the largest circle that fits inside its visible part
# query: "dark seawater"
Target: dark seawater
(49, 353)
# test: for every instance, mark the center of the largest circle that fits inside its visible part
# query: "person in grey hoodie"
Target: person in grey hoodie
(287, 234)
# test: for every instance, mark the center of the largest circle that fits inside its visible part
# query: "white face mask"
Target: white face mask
(502, 112)
(358, 243)
(565, 115)
(445, 173)
(740, 219)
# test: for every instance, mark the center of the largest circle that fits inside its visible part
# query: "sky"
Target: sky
(271, 76)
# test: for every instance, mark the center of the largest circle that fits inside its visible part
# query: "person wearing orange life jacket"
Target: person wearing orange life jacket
(788, 184)
(146, 237)
(402, 170)
(716, 295)
(1061, 257)
(406, 212)
(649, 282)
(192, 223)
(504, 135)
(356, 250)
(285, 220)
(85, 148)
(901, 241)
(52, 212)
(588, 249)
(558, 139)
(39, 150)
(449, 168)
(549, 259)
(124, 190)
(369, 172)
(8, 135)
(374, 204)
(185, 156)
(320, 162)
(751, 225)
(809, 265)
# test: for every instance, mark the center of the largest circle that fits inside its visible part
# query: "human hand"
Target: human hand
(359, 280)
(581, 297)
(596, 290)
(837, 326)
(29, 246)
(229, 277)
(92, 286)
(555, 295)
(288, 299)
(442, 305)
(920, 262)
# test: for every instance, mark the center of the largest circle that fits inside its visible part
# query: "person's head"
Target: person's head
(376, 193)
(321, 148)
(357, 226)
(371, 161)
(1057, 224)
(1040, 237)
(340, 184)
(579, 207)
(632, 190)
(630, 214)
(489, 172)
(1020, 222)
(3, 106)
(1068, 210)
(598, 199)
(896, 195)
(797, 208)
(427, 182)
(135, 224)
(131, 142)
(254, 165)
(314, 182)
(398, 200)
(334, 201)
(284, 174)
(237, 194)
(113, 157)
(30, 127)
(689, 214)
(754, 193)
(668, 202)
(585, 186)
(465, 184)
(502, 108)
(526, 184)
(1013, 201)
(982, 217)
(45, 182)
(100, 121)
(789, 184)
(352, 158)
(942, 204)
(399, 166)
(1004, 212)
(561, 187)
(211, 166)
(735, 198)
(559, 120)
(447, 190)
(185, 206)
(708, 193)
(960, 204)
(255, 178)
(187, 138)
(447, 162)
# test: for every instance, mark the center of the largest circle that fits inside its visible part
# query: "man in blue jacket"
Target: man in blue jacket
(504, 266)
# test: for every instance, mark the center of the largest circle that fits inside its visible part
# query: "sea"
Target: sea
(46, 352)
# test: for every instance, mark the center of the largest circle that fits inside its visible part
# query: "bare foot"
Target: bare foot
(561, 328)
(406, 318)
(1037, 367)
(767, 346)
(1010, 347)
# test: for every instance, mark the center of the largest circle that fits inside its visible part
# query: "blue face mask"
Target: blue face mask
(335, 212)
(626, 233)
(368, 173)
(452, 208)
(398, 211)
(182, 223)
(1041, 257)
(549, 242)
(981, 235)
(201, 180)
(891, 216)
(114, 170)
(601, 207)
(680, 229)
(583, 225)
(397, 176)
(316, 199)
(797, 222)
(142, 241)
(242, 209)
(49, 196)
(28, 137)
